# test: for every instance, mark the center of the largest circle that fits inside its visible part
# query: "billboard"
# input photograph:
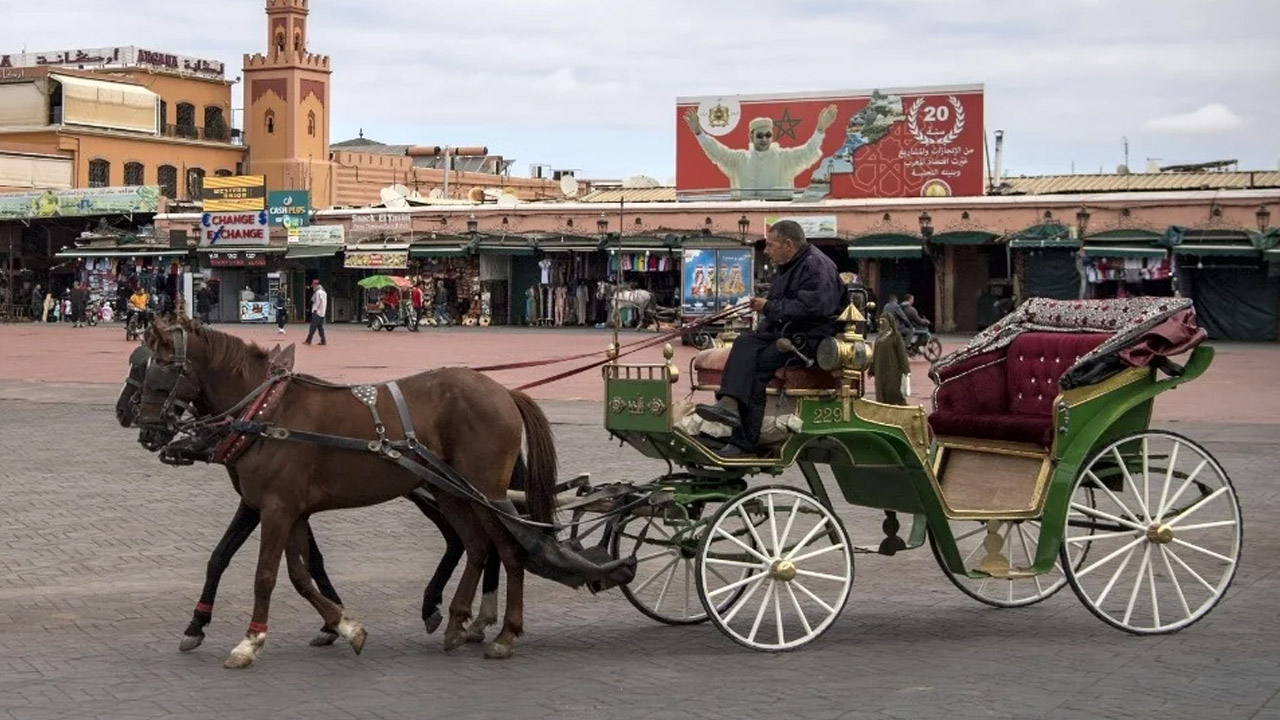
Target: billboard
(80, 202)
(233, 193)
(234, 229)
(895, 142)
(289, 208)
(713, 279)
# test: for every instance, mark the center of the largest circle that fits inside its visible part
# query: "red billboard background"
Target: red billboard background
(902, 142)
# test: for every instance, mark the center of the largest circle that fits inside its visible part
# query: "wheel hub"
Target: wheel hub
(782, 570)
(1160, 534)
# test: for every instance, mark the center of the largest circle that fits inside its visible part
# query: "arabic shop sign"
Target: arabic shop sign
(129, 56)
(80, 202)
(381, 223)
(243, 228)
(814, 226)
(236, 259)
(289, 208)
(318, 235)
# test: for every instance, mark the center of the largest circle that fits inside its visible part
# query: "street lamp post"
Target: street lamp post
(1082, 220)
(744, 226)
(1264, 218)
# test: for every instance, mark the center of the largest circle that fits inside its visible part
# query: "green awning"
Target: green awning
(886, 251)
(964, 237)
(1033, 244)
(1046, 235)
(441, 250)
(299, 252)
(1217, 250)
(567, 243)
(119, 252)
(1122, 251)
(1126, 236)
(1272, 255)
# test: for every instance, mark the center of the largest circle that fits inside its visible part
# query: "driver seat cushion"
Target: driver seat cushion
(708, 367)
(1008, 394)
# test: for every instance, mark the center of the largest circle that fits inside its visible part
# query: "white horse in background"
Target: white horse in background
(642, 301)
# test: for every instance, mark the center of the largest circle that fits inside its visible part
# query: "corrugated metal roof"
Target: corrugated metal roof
(1138, 182)
(658, 194)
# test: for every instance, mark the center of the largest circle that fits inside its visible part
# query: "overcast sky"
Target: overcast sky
(592, 86)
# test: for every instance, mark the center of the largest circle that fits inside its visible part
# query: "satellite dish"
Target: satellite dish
(506, 201)
(394, 197)
(569, 186)
(475, 195)
(1122, 169)
(435, 194)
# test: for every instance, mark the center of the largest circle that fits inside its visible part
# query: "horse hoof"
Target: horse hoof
(475, 635)
(237, 660)
(190, 642)
(357, 640)
(324, 638)
(454, 639)
(499, 651)
(432, 621)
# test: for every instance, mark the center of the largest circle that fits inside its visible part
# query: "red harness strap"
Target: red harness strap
(236, 443)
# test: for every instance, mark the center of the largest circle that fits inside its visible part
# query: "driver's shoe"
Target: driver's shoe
(718, 414)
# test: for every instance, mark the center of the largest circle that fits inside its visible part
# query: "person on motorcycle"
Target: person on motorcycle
(391, 306)
(138, 303)
(917, 331)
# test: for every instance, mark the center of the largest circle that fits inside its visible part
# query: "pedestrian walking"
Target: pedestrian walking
(319, 304)
(282, 315)
(79, 302)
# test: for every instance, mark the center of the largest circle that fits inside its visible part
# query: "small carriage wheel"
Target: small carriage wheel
(1021, 542)
(1167, 530)
(375, 323)
(802, 560)
(932, 350)
(664, 546)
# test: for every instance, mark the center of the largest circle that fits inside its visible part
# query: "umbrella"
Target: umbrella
(382, 281)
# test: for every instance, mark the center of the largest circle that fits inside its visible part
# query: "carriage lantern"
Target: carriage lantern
(1082, 219)
(472, 224)
(926, 225)
(744, 225)
(1264, 218)
(602, 225)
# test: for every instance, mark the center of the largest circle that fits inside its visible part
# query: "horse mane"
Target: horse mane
(225, 350)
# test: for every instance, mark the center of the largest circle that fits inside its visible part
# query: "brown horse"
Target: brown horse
(464, 418)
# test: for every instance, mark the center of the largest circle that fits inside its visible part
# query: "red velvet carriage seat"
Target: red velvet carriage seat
(708, 366)
(1008, 394)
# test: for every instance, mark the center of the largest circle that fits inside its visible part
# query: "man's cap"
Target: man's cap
(315, 282)
(760, 123)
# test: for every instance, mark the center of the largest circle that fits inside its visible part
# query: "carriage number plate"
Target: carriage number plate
(826, 415)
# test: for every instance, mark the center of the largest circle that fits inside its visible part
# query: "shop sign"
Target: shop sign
(236, 259)
(80, 202)
(289, 208)
(129, 56)
(391, 259)
(318, 235)
(243, 228)
(390, 222)
(814, 226)
(237, 192)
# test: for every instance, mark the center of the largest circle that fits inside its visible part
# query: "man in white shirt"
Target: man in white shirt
(765, 170)
(319, 305)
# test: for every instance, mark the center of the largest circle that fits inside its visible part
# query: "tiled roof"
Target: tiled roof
(1138, 182)
(658, 194)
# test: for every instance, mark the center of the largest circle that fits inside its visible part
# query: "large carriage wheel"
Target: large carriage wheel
(664, 546)
(1164, 540)
(798, 568)
(1020, 540)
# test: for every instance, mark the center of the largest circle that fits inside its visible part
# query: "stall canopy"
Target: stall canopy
(121, 251)
(1124, 243)
(1215, 242)
(300, 252)
(503, 245)
(567, 243)
(669, 243)
(1045, 235)
(964, 237)
(887, 245)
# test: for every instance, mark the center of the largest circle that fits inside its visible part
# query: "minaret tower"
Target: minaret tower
(286, 101)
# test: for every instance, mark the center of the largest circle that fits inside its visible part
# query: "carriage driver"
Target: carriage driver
(804, 300)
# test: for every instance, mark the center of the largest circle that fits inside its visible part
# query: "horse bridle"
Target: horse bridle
(170, 376)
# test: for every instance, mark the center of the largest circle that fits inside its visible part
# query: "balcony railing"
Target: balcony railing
(214, 134)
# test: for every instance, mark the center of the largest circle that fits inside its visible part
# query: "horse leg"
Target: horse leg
(488, 599)
(433, 595)
(241, 527)
(277, 522)
(301, 577)
(315, 563)
(477, 551)
(512, 559)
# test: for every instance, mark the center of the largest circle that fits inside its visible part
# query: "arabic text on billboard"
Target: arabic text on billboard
(907, 142)
(80, 202)
(129, 56)
(234, 229)
(289, 208)
(715, 279)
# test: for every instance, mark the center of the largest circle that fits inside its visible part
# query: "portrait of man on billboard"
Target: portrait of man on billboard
(764, 170)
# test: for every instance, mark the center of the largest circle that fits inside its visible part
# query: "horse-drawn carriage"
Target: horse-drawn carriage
(1036, 469)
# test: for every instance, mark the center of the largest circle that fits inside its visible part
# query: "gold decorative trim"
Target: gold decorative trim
(910, 419)
(1081, 395)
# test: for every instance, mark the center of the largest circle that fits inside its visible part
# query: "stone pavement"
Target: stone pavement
(102, 553)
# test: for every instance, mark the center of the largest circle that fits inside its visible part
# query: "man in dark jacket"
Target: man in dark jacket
(79, 302)
(803, 302)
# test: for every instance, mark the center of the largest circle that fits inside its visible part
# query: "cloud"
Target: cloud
(1214, 118)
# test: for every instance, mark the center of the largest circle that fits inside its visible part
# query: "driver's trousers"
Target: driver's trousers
(753, 359)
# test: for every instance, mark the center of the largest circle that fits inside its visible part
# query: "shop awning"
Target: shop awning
(439, 250)
(119, 252)
(299, 252)
(964, 237)
(1124, 243)
(267, 249)
(567, 243)
(1122, 251)
(103, 103)
(1216, 242)
(1272, 255)
(641, 243)
(504, 245)
(1045, 235)
(887, 245)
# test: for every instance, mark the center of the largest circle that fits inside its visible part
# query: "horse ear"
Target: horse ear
(285, 358)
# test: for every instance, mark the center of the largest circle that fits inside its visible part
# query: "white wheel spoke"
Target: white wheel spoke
(742, 602)
(1187, 567)
(1108, 516)
(1100, 536)
(744, 546)
(1199, 549)
(1114, 577)
(657, 554)
(981, 528)
(1168, 477)
(820, 576)
(1119, 503)
(777, 615)
(736, 584)
(804, 620)
(716, 572)
(689, 585)
(1199, 504)
(1182, 488)
(764, 607)
(1026, 550)
(1206, 526)
(811, 535)
(773, 528)
(830, 610)
(666, 584)
(640, 588)
(1146, 473)
(816, 553)
(752, 529)
(1128, 479)
(1108, 558)
(791, 518)
(737, 563)
(1177, 586)
(1151, 580)
(1137, 586)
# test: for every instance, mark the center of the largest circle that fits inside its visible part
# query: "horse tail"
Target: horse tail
(540, 480)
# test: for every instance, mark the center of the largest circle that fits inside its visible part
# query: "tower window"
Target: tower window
(311, 124)
(280, 42)
(297, 41)
(271, 123)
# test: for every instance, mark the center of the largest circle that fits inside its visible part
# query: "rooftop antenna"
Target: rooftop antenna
(1125, 140)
